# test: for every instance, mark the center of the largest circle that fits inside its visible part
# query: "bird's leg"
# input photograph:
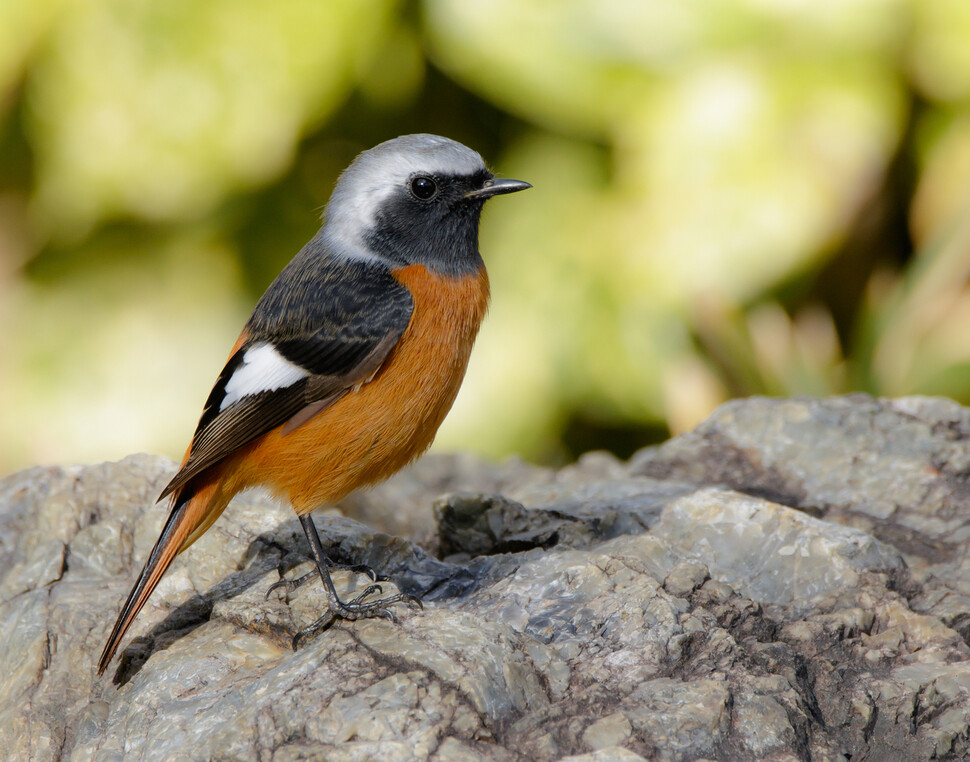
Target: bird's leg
(358, 608)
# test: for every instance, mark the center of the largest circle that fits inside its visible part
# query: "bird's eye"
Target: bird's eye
(423, 187)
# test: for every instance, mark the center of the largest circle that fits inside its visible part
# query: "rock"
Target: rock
(895, 468)
(770, 553)
(786, 582)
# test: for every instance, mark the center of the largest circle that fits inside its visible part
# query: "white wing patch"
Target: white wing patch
(263, 369)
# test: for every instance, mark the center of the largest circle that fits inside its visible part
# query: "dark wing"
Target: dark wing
(320, 329)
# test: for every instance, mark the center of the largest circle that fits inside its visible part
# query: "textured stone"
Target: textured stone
(769, 552)
(787, 582)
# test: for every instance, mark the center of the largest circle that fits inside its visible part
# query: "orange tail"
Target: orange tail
(193, 512)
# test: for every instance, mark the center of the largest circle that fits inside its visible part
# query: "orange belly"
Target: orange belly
(373, 431)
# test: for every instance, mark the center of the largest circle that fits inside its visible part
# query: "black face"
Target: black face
(429, 221)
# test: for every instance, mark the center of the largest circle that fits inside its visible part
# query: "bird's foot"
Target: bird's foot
(356, 609)
(290, 585)
(359, 607)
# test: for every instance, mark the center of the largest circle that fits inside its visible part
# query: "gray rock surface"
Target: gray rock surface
(787, 582)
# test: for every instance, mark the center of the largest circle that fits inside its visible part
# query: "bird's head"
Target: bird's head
(416, 199)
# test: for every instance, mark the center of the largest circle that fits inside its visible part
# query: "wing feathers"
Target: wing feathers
(263, 369)
(277, 378)
(308, 412)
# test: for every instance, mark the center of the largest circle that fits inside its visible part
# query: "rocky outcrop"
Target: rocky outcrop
(787, 582)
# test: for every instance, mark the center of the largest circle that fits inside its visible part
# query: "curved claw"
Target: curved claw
(323, 623)
(413, 601)
(270, 589)
(289, 584)
(363, 569)
(369, 590)
(274, 586)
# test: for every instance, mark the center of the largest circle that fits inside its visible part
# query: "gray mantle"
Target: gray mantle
(790, 581)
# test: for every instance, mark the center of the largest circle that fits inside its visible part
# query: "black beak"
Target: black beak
(495, 187)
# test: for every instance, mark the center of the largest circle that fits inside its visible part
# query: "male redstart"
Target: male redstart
(350, 360)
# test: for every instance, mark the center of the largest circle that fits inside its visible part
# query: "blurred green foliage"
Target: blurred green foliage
(731, 197)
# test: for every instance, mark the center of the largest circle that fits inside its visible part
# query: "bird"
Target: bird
(350, 360)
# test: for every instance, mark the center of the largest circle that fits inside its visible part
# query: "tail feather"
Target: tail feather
(192, 513)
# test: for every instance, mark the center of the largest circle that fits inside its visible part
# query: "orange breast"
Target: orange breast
(377, 429)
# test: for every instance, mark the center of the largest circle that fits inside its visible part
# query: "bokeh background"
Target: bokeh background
(731, 197)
